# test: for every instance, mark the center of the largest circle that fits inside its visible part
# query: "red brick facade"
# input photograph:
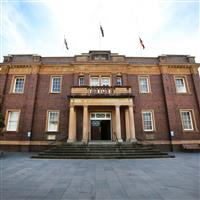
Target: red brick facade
(37, 99)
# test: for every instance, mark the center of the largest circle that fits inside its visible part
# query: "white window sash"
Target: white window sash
(106, 79)
(151, 121)
(189, 121)
(181, 88)
(53, 90)
(53, 124)
(81, 81)
(119, 81)
(12, 124)
(92, 81)
(15, 82)
(144, 88)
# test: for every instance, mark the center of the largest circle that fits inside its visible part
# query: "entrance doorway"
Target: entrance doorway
(100, 126)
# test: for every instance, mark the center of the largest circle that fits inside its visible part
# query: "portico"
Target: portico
(114, 104)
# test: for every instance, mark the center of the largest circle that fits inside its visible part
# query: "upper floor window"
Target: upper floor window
(148, 120)
(119, 81)
(94, 81)
(180, 84)
(105, 81)
(100, 81)
(144, 84)
(53, 121)
(12, 120)
(186, 118)
(18, 84)
(81, 81)
(100, 57)
(55, 84)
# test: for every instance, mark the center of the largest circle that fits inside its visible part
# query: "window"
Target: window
(94, 81)
(18, 84)
(147, 117)
(55, 84)
(186, 118)
(81, 81)
(100, 81)
(100, 57)
(144, 84)
(105, 81)
(53, 120)
(13, 120)
(180, 85)
(119, 80)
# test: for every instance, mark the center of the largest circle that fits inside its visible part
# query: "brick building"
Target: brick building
(99, 96)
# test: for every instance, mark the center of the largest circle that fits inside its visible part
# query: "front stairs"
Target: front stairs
(102, 151)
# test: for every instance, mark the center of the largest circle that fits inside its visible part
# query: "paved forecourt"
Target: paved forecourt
(173, 178)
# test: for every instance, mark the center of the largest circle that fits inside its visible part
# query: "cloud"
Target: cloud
(12, 39)
(164, 26)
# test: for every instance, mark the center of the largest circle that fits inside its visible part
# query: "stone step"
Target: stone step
(104, 153)
(101, 149)
(98, 151)
(103, 157)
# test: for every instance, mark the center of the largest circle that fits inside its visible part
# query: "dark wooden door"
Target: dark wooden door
(95, 129)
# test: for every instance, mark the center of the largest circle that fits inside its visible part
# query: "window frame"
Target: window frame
(13, 84)
(184, 78)
(104, 77)
(98, 77)
(79, 82)
(192, 118)
(121, 81)
(7, 119)
(152, 120)
(148, 84)
(47, 121)
(51, 84)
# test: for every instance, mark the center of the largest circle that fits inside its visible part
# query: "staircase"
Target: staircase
(102, 151)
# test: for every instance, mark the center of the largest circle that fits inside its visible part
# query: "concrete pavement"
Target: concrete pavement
(173, 178)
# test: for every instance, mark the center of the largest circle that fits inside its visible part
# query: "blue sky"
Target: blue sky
(39, 26)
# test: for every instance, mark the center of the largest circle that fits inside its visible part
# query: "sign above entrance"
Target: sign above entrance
(100, 116)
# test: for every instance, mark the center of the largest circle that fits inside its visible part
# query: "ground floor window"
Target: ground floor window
(12, 120)
(53, 121)
(186, 118)
(148, 120)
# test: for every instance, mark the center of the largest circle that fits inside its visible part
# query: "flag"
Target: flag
(65, 42)
(141, 42)
(102, 32)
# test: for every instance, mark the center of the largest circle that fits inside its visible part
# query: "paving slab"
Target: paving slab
(23, 178)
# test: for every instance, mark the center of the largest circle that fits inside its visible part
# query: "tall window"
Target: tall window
(180, 85)
(144, 84)
(186, 118)
(13, 120)
(148, 124)
(119, 80)
(53, 121)
(81, 80)
(18, 84)
(55, 84)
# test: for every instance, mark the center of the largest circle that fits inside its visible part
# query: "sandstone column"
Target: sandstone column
(72, 125)
(132, 124)
(128, 137)
(118, 123)
(85, 124)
